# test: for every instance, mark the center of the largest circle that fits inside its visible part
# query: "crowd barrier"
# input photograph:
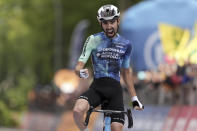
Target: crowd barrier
(152, 118)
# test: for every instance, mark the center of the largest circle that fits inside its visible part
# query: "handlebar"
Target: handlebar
(127, 113)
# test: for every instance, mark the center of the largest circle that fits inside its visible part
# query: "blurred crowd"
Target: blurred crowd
(170, 84)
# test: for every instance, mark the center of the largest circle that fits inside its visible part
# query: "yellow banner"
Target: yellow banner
(181, 54)
(179, 43)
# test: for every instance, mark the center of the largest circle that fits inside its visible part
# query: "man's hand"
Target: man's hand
(83, 73)
(137, 105)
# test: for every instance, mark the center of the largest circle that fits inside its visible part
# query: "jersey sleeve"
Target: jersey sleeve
(126, 60)
(87, 49)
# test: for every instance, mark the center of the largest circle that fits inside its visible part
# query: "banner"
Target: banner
(170, 38)
(178, 44)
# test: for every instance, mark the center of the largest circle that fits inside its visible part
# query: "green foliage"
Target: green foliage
(6, 116)
(14, 97)
(17, 61)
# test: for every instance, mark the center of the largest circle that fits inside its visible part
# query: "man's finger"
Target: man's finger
(138, 108)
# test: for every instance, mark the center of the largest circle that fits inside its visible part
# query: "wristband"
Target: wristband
(136, 102)
(134, 98)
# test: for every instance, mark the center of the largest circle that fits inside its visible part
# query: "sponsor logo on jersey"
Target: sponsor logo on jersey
(111, 53)
(112, 50)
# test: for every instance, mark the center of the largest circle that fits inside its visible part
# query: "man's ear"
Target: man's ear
(99, 21)
(118, 20)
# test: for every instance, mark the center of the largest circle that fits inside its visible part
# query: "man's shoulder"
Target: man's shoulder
(94, 36)
(97, 37)
(99, 34)
(124, 40)
(94, 39)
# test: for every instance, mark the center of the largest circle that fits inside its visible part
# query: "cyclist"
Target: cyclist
(110, 54)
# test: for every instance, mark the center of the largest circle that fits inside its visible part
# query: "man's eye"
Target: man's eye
(105, 22)
(109, 21)
(112, 21)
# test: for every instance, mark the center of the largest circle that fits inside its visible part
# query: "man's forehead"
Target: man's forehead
(111, 20)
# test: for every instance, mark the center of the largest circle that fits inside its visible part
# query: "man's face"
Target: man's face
(110, 27)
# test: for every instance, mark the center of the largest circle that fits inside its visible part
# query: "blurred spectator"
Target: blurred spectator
(170, 84)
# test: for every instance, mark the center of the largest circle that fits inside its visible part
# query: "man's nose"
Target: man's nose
(109, 25)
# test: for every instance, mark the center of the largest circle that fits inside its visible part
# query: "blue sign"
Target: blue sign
(140, 25)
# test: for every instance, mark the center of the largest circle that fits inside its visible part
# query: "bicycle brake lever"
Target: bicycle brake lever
(130, 118)
(88, 116)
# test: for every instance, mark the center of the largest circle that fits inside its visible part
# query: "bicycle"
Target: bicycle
(107, 118)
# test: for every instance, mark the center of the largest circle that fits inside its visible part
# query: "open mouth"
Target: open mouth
(110, 32)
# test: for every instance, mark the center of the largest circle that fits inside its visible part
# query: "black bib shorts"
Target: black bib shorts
(106, 89)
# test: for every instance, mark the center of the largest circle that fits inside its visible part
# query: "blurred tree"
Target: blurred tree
(17, 76)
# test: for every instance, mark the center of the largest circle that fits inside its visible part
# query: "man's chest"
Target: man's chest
(110, 50)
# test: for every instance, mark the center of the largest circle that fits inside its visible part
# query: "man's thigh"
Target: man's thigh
(116, 126)
(92, 96)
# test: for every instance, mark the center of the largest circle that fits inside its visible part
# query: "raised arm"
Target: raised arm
(87, 49)
(80, 65)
